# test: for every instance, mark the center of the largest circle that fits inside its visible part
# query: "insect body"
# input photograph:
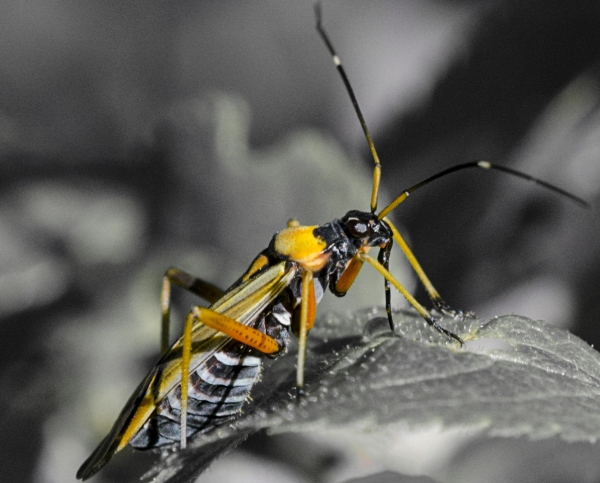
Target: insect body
(205, 377)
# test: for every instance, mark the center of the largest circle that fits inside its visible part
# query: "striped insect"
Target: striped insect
(205, 377)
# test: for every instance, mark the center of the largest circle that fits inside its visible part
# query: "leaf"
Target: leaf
(513, 377)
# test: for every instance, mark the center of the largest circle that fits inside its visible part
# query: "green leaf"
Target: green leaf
(513, 377)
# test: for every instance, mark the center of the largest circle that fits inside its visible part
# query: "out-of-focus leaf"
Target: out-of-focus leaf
(391, 477)
(513, 377)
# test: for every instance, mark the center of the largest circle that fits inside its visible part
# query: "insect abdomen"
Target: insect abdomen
(217, 389)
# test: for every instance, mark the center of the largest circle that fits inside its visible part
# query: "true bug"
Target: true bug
(219, 354)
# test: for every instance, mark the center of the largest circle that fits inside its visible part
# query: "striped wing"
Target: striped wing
(243, 303)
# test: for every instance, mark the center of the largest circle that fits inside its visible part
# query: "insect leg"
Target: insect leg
(343, 284)
(186, 354)
(209, 292)
(226, 325)
(236, 330)
(206, 290)
(437, 300)
(384, 259)
(307, 319)
(346, 279)
(411, 300)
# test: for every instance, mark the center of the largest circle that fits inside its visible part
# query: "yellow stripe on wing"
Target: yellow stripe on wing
(243, 303)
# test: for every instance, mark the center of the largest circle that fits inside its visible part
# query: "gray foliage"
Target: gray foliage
(513, 377)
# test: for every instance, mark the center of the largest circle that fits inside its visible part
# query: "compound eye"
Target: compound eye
(358, 228)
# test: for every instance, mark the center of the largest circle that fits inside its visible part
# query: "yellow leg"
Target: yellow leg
(411, 300)
(399, 239)
(307, 316)
(228, 326)
(350, 273)
(431, 290)
(185, 372)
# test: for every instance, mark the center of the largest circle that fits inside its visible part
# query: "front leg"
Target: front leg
(434, 295)
(445, 309)
(430, 319)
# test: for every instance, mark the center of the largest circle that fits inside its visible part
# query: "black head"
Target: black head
(364, 229)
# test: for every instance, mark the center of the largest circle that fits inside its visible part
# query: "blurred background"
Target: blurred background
(143, 134)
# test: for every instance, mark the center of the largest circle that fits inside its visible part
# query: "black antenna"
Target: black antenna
(484, 165)
(342, 72)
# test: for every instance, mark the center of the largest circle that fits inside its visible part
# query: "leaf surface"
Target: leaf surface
(513, 377)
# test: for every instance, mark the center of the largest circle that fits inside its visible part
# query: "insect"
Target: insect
(205, 377)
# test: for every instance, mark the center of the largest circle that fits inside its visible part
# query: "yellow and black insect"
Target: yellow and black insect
(205, 377)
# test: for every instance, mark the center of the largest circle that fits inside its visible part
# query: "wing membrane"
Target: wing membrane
(243, 303)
